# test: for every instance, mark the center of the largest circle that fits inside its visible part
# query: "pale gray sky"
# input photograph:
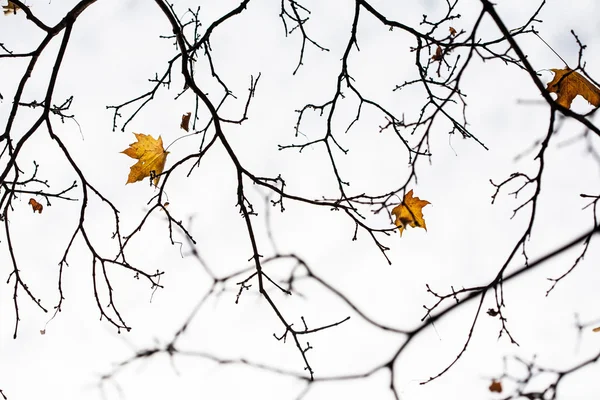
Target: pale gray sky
(115, 49)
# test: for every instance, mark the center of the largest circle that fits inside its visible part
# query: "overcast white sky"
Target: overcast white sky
(116, 48)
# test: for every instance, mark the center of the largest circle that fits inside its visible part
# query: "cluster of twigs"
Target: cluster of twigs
(519, 374)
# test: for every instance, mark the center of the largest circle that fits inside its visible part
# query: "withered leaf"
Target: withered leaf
(452, 31)
(185, 121)
(409, 212)
(491, 312)
(36, 206)
(496, 386)
(438, 54)
(568, 84)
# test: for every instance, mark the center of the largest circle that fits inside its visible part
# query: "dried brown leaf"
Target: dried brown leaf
(496, 386)
(36, 206)
(568, 84)
(185, 121)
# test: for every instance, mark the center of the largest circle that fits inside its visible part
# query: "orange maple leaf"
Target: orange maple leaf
(10, 8)
(36, 206)
(151, 157)
(567, 84)
(185, 121)
(409, 212)
(496, 386)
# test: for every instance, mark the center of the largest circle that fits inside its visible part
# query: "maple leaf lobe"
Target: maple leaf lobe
(151, 157)
(568, 84)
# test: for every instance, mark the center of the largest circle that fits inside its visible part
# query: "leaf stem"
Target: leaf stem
(550, 47)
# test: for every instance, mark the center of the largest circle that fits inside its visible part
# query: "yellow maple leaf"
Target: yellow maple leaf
(409, 212)
(151, 157)
(567, 84)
